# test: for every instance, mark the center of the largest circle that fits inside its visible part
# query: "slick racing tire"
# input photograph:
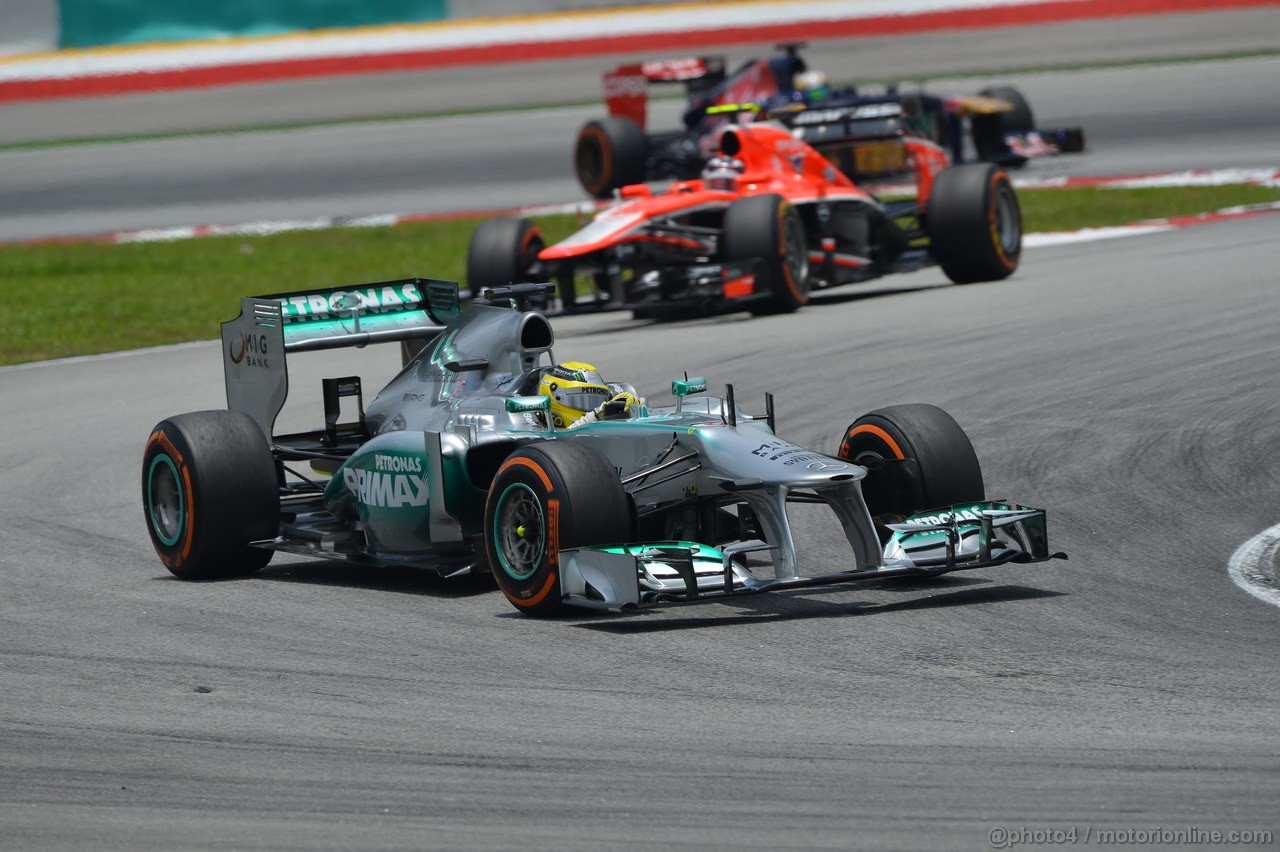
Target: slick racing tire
(767, 227)
(989, 129)
(209, 488)
(974, 223)
(545, 497)
(502, 252)
(917, 458)
(609, 154)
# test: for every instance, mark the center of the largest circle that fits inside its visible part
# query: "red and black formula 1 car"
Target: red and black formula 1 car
(619, 150)
(772, 218)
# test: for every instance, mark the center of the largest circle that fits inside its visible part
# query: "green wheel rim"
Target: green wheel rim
(166, 503)
(519, 531)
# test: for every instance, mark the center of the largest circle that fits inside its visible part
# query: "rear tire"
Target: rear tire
(974, 223)
(609, 154)
(502, 252)
(769, 228)
(917, 458)
(989, 130)
(546, 497)
(209, 488)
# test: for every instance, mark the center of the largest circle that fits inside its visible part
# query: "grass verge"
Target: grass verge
(86, 298)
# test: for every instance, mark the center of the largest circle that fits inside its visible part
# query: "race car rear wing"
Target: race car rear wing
(626, 88)
(255, 344)
(684, 69)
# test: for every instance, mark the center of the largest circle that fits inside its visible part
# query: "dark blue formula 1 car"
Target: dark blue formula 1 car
(619, 150)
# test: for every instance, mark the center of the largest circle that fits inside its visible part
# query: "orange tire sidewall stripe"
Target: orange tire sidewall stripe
(553, 536)
(879, 433)
(531, 235)
(993, 193)
(553, 580)
(533, 466)
(793, 286)
(553, 555)
(606, 155)
(188, 493)
(163, 440)
(191, 515)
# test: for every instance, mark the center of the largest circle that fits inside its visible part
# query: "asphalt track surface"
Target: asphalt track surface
(1128, 386)
(1137, 120)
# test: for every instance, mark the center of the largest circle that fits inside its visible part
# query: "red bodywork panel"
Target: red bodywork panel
(927, 160)
(774, 162)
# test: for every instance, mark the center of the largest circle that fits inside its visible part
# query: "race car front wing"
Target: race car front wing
(623, 578)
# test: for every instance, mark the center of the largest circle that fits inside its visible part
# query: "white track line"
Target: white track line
(1250, 566)
(1089, 235)
(106, 356)
(1268, 177)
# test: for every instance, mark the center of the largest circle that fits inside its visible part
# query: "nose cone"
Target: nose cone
(561, 251)
(758, 455)
(605, 230)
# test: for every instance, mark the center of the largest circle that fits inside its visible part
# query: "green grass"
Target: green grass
(81, 299)
(1070, 209)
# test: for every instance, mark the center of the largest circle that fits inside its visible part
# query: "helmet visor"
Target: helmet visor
(582, 399)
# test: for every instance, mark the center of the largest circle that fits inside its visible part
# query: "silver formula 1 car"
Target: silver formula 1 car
(457, 467)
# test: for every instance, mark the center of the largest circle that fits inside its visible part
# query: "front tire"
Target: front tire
(547, 497)
(209, 488)
(502, 252)
(974, 223)
(609, 154)
(917, 458)
(769, 228)
(989, 130)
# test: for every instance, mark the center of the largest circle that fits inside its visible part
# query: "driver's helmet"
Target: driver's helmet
(575, 387)
(722, 173)
(813, 85)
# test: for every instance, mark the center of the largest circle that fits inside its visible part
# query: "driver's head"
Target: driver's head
(722, 173)
(575, 387)
(813, 85)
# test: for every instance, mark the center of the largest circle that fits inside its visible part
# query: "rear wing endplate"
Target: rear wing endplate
(626, 87)
(254, 344)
